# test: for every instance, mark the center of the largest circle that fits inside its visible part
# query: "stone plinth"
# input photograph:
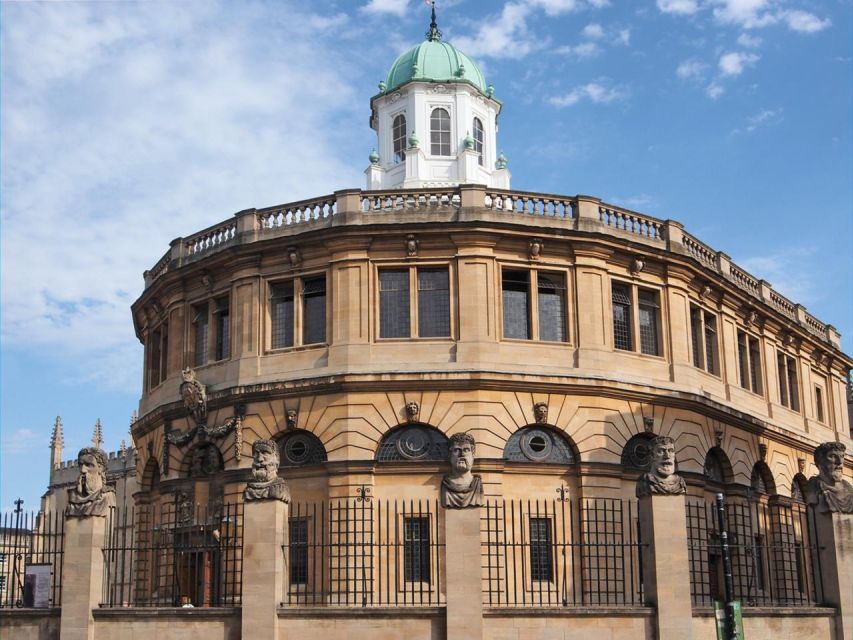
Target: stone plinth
(82, 576)
(463, 575)
(835, 547)
(666, 565)
(265, 529)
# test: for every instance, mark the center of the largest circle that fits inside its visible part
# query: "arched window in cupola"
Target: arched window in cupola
(398, 135)
(439, 130)
(478, 139)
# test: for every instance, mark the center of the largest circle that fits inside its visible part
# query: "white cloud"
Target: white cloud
(748, 14)
(764, 118)
(749, 41)
(805, 22)
(735, 63)
(786, 272)
(583, 50)
(714, 90)
(679, 7)
(690, 69)
(623, 36)
(593, 31)
(396, 7)
(21, 440)
(594, 92)
(505, 36)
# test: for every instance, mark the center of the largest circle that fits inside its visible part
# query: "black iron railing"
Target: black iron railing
(31, 551)
(174, 555)
(773, 555)
(566, 552)
(365, 552)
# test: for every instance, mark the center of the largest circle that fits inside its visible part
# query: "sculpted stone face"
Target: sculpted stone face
(91, 477)
(461, 458)
(264, 466)
(831, 466)
(663, 459)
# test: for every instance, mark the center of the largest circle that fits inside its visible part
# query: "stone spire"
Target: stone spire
(57, 440)
(433, 34)
(98, 435)
(122, 450)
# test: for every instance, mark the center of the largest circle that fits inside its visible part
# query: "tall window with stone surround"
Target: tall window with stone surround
(636, 318)
(789, 392)
(223, 329)
(749, 362)
(541, 558)
(297, 312)
(703, 333)
(201, 326)
(479, 137)
(439, 132)
(281, 314)
(416, 561)
(534, 305)
(398, 136)
(424, 315)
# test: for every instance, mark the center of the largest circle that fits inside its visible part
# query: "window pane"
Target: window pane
(540, 549)
(478, 140)
(314, 310)
(621, 317)
(783, 379)
(649, 314)
(416, 549)
(281, 315)
(439, 124)
(223, 330)
(201, 325)
(696, 336)
(398, 135)
(711, 343)
(755, 365)
(299, 551)
(516, 316)
(433, 303)
(552, 311)
(793, 388)
(818, 401)
(394, 318)
(743, 360)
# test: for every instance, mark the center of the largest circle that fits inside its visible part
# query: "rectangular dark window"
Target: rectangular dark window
(433, 303)
(394, 314)
(155, 358)
(223, 330)
(649, 320)
(516, 316)
(541, 560)
(552, 309)
(314, 310)
(281, 314)
(416, 565)
(298, 551)
(818, 402)
(749, 362)
(201, 322)
(621, 296)
(703, 332)
(789, 395)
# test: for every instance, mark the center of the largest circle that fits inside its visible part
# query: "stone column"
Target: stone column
(82, 576)
(834, 532)
(666, 564)
(265, 528)
(463, 574)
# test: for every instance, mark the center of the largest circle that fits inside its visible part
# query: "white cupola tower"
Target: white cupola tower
(436, 122)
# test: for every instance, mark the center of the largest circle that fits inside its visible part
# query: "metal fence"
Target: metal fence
(773, 555)
(174, 554)
(365, 552)
(27, 541)
(565, 552)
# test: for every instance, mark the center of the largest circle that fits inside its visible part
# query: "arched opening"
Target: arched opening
(479, 136)
(439, 132)
(637, 452)
(541, 444)
(398, 136)
(761, 480)
(717, 468)
(299, 447)
(416, 442)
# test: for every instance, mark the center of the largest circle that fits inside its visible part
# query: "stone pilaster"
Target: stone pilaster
(835, 548)
(264, 533)
(82, 576)
(666, 565)
(464, 575)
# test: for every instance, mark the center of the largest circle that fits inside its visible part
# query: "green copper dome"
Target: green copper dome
(434, 61)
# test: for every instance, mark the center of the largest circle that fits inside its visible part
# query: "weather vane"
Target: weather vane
(433, 35)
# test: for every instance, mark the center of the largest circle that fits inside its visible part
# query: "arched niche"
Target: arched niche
(637, 452)
(717, 468)
(416, 442)
(761, 480)
(541, 444)
(202, 461)
(299, 447)
(798, 488)
(150, 475)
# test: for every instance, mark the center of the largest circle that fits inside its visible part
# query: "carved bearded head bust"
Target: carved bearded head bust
(91, 496)
(829, 458)
(264, 461)
(461, 451)
(661, 478)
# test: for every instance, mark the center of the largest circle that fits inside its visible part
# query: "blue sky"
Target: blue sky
(127, 124)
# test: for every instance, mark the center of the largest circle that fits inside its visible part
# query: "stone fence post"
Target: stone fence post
(82, 576)
(666, 565)
(834, 532)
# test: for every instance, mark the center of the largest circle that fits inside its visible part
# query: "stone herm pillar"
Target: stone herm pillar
(463, 574)
(82, 576)
(666, 565)
(834, 532)
(264, 535)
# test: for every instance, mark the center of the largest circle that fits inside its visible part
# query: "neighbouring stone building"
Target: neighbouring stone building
(590, 353)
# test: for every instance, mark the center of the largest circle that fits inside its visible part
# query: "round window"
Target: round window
(413, 443)
(296, 449)
(536, 444)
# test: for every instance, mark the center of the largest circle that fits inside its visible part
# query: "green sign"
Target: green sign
(720, 618)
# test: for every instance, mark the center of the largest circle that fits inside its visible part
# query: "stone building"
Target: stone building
(581, 347)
